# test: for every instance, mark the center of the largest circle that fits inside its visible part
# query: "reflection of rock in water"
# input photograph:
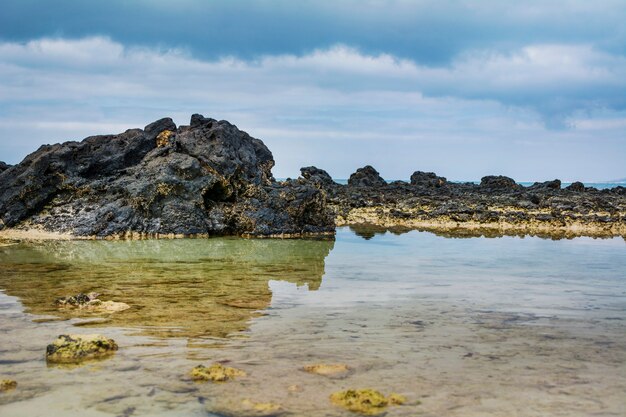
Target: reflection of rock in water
(368, 231)
(181, 288)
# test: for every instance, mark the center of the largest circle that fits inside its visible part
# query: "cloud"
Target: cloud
(308, 106)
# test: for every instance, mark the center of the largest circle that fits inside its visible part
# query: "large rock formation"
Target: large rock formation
(205, 178)
(4, 166)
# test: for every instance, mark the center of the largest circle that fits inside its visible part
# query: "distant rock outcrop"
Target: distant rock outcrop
(4, 166)
(205, 178)
(366, 177)
(427, 179)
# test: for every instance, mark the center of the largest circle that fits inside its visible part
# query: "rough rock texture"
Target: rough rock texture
(4, 166)
(215, 373)
(75, 348)
(427, 179)
(205, 178)
(497, 206)
(316, 175)
(366, 177)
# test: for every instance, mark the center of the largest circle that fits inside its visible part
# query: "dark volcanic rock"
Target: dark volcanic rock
(206, 178)
(4, 166)
(316, 175)
(366, 177)
(495, 182)
(547, 185)
(427, 179)
(576, 186)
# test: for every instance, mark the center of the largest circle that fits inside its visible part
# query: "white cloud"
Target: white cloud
(334, 106)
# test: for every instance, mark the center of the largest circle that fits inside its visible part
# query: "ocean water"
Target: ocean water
(466, 327)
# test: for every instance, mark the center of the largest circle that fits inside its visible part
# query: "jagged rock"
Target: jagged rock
(427, 179)
(366, 177)
(316, 175)
(494, 182)
(206, 178)
(576, 186)
(76, 348)
(547, 185)
(4, 166)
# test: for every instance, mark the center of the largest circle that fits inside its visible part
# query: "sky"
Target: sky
(534, 90)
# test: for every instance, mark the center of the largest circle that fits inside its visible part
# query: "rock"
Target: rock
(75, 348)
(366, 177)
(91, 302)
(327, 369)
(316, 175)
(498, 182)
(7, 384)
(427, 179)
(547, 185)
(206, 178)
(77, 300)
(215, 373)
(365, 401)
(576, 186)
(4, 166)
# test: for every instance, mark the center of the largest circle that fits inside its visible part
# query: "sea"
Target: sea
(459, 326)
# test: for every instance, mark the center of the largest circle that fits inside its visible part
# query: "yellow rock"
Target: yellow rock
(7, 384)
(396, 399)
(215, 373)
(327, 369)
(364, 401)
(76, 348)
(162, 138)
(106, 306)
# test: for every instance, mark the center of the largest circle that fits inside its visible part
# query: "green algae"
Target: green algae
(76, 348)
(215, 373)
(365, 401)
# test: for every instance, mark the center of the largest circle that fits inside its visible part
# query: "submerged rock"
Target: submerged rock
(327, 369)
(76, 348)
(205, 178)
(366, 177)
(365, 401)
(215, 373)
(7, 384)
(91, 302)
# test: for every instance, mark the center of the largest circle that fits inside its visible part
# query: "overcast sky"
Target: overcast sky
(531, 89)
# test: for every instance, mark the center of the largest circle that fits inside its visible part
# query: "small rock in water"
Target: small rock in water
(215, 373)
(75, 348)
(91, 302)
(7, 384)
(327, 369)
(365, 401)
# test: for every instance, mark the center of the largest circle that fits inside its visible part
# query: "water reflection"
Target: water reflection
(181, 288)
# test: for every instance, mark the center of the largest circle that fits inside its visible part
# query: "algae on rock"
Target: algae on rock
(365, 401)
(75, 348)
(326, 369)
(215, 373)
(7, 384)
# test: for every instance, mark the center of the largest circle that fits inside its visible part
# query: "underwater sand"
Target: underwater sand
(462, 327)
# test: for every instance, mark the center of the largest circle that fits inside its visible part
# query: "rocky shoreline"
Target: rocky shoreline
(496, 206)
(210, 178)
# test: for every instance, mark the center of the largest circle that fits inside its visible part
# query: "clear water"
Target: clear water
(467, 327)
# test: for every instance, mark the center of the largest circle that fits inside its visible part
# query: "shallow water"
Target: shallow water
(466, 327)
